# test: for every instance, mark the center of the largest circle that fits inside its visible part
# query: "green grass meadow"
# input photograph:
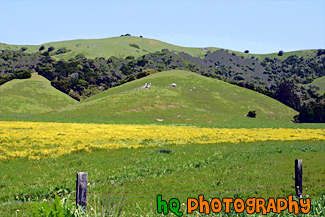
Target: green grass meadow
(134, 177)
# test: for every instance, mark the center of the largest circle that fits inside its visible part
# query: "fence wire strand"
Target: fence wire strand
(37, 195)
(196, 180)
(194, 191)
(115, 181)
(37, 183)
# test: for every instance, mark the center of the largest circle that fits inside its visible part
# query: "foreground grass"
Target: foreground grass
(317, 208)
(131, 178)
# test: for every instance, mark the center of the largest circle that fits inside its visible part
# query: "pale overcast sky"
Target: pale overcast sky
(259, 26)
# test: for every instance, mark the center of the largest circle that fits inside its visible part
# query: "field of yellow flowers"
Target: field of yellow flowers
(37, 140)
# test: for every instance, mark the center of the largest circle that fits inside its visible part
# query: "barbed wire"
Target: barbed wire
(196, 191)
(122, 204)
(29, 202)
(145, 181)
(37, 183)
(153, 192)
(195, 180)
(26, 202)
(36, 195)
(101, 180)
(191, 193)
(323, 194)
(309, 186)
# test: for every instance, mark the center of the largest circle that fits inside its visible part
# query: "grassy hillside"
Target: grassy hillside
(116, 46)
(31, 96)
(320, 82)
(300, 53)
(196, 100)
(120, 47)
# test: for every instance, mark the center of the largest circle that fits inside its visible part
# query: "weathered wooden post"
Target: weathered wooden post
(298, 177)
(81, 197)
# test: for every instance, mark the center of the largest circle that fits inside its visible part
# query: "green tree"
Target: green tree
(285, 93)
(22, 49)
(23, 74)
(50, 49)
(311, 113)
(41, 48)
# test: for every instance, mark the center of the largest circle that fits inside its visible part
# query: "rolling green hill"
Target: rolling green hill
(196, 100)
(116, 46)
(31, 96)
(120, 47)
(320, 82)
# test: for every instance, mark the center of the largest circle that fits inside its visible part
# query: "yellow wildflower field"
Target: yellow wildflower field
(49, 140)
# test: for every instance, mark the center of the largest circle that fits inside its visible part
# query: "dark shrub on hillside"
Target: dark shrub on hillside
(80, 56)
(280, 53)
(41, 48)
(23, 74)
(126, 80)
(62, 50)
(251, 114)
(246, 51)
(23, 49)
(46, 54)
(285, 93)
(239, 78)
(74, 95)
(311, 113)
(62, 85)
(142, 62)
(145, 73)
(142, 74)
(3, 80)
(130, 58)
(50, 49)
(135, 46)
(320, 52)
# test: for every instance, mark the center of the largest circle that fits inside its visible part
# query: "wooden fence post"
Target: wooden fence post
(298, 177)
(81, 190)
